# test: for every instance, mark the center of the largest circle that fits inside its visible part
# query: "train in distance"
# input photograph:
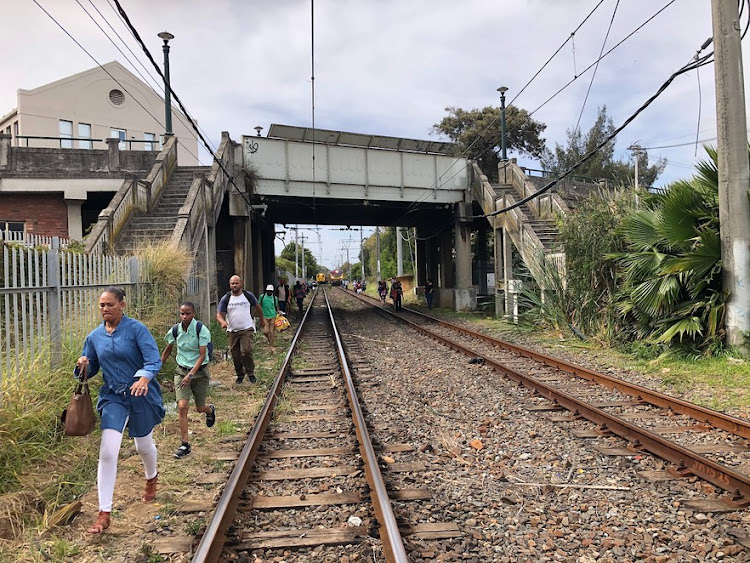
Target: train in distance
(336, 276)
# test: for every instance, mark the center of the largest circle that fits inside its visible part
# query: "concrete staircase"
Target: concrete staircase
(545, 229)
(159, 224)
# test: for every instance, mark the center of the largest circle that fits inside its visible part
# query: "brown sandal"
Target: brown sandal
(150, 493)
(101, 524)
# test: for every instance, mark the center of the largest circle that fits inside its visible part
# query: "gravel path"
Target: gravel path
(520, 487)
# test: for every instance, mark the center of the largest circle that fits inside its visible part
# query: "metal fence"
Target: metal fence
(49, 298)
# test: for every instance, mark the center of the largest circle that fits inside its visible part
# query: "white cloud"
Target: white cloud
(388, 66)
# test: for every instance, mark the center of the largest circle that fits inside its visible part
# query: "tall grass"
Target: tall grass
(40, 468)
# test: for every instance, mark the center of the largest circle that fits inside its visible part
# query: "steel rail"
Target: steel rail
(714, 418)
(390, 536)
(684, 459)
(210, 547)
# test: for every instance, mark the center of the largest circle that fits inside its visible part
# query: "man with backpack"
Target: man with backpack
(191, 375)
(270, 305)
(235, 314)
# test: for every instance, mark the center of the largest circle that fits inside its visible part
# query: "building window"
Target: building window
(116, 97)
(119, 134)
(66, 132)
(84, 132)
(12, 226)
(15, 128)
(7, 130)
(150, 145)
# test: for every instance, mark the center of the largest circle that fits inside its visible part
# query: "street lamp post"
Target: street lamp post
(167, 37)
(504, 152)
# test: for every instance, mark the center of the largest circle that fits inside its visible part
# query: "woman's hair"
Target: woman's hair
(116, 291)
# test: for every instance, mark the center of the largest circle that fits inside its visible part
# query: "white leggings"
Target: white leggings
(108, 453)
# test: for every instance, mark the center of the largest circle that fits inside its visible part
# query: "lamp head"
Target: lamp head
(502, 90)
(258, 129)
(166, 36)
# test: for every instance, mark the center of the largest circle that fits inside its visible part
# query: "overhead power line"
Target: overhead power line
(137, 36)
(696, 63)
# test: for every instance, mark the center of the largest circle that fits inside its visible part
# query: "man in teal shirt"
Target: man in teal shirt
(191, 375)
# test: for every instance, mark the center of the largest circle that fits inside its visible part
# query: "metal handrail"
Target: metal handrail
(85, 139)
(390, 536)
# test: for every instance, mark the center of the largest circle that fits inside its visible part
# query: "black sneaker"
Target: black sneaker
(240, 378)
(251, 378)
(211, 416)
(182, 451)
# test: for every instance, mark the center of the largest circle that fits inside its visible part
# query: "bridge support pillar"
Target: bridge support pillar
(433, 259)
(257, 263)
(503, 271)
(243, 255)
(446, 285)
(421, 260)
(465, 296)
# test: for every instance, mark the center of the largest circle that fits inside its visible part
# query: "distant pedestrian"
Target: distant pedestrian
(299, 295)
(235, 314)
(270, 306)
(191, 374)
(130, 396)
(429, 292)
(396, 293)
(382, 290)
(284, 295)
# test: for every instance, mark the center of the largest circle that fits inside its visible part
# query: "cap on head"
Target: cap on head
(269, 287)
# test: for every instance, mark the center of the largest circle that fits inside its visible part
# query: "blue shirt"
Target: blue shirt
(124, 356)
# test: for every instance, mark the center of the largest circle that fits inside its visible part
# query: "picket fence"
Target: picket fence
(49, 299)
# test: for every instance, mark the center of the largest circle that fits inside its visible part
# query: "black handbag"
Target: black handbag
(79, 418)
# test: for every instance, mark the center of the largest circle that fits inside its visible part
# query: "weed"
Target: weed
(194, 526)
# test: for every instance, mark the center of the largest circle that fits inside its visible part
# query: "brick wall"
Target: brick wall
(45, 214)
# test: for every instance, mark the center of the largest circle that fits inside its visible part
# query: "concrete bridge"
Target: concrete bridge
(226, 214)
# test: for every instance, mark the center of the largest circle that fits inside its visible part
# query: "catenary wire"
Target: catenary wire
(105, 70)
(137, 36)
(159, 87)
(701, 62)
(481, 134)
(596, 68)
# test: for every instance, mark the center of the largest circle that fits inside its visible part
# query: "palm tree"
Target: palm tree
(671, 288)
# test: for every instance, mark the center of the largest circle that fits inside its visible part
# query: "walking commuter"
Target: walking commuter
(270, 306)
(429, 293)
(130, 396)
(382, 290)
(191, 374)
(396, 293)
(284, 295)
(299, 294)
(235, 314)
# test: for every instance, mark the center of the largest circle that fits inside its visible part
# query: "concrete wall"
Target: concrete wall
(85, 98)
(75, 163)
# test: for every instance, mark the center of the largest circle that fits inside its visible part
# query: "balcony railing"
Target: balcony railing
(62, 142)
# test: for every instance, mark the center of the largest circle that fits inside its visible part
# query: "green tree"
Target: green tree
(671, 291)
(478, 134)
(603, 164)
(311, 265)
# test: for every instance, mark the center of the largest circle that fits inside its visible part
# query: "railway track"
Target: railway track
(695, 440)
(308, 481)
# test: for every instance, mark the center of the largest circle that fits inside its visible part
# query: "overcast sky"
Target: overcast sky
(390, 67)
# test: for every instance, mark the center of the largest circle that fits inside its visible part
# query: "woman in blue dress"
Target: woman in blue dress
(130, 396)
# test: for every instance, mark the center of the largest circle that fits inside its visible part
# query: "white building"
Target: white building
(94, 105)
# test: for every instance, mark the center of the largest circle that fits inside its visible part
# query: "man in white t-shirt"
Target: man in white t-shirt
(235, 314)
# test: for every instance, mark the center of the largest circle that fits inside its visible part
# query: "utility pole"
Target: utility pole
(304, 276)
(637, 150)
(377, 250)
(296, 253)
(362, 252)
(399, 253)
(734, 172)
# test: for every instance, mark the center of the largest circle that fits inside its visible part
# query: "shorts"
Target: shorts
(198, 387)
